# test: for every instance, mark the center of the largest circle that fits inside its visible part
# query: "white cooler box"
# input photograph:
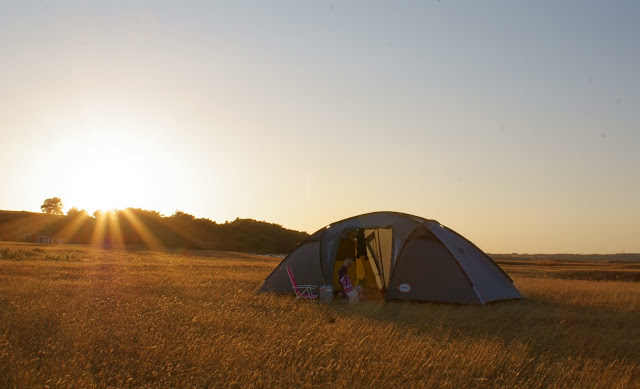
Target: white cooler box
(326, 293)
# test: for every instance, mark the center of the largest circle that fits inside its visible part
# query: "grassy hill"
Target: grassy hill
(79, 316)
(138, 228)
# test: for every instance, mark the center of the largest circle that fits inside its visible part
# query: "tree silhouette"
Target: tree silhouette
(73, 211)
(133, 225)
(182, 217)
(52, 206)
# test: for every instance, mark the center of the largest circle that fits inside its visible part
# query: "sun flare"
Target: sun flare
(108, 170)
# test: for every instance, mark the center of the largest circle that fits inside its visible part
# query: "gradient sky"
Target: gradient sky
(515, 123)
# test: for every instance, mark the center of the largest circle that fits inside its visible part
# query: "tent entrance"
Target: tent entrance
(379, 250)
(372, 249)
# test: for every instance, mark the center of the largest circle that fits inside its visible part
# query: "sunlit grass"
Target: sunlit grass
(76, 316)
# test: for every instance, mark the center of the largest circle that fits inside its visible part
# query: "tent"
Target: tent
(399, 255)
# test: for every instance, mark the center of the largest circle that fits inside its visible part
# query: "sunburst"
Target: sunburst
(147, 237)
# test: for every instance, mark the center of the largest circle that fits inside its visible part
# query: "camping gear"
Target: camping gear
(301, 291)
(404, 256)
(326, 293)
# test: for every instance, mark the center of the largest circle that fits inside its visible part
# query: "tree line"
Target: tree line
(134, 227)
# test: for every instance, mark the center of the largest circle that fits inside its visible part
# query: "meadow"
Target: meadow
(77, 316)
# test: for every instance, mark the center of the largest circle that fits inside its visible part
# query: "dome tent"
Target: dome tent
(404, 256)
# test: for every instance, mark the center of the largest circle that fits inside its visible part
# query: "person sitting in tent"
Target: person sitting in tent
(353, 293)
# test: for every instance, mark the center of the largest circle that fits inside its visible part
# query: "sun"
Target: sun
(108, 170)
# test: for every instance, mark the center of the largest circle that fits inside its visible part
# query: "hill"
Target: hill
(137, 227)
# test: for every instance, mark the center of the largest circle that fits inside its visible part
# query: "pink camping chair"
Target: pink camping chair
(302, 291)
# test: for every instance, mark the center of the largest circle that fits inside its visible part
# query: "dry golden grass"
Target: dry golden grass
(74, 316)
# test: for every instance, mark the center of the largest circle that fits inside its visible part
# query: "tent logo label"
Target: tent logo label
(404, 288)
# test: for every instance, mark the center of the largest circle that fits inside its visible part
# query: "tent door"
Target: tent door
(379, 250)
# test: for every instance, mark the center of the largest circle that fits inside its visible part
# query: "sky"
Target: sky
(515, 123)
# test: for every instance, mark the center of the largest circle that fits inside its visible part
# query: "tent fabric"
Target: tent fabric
(306, 272)
(419, 259)
(440, 277)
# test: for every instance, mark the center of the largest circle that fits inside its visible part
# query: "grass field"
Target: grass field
(74, 316)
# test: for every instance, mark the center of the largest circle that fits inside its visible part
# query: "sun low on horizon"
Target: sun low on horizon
(113, 166)
(107, 169)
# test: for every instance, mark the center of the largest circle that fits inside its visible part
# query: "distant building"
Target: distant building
(45, 239)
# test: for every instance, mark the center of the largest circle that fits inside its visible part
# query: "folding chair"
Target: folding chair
(302, 291)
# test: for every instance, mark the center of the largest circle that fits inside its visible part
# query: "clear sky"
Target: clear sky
(516, 123)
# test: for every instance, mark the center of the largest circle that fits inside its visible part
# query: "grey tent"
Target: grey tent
(402, 256)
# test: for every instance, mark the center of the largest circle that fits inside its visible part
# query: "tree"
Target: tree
(52, 206)
(182, 217)
(73, 211)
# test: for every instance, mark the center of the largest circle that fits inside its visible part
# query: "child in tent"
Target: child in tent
(353, 293)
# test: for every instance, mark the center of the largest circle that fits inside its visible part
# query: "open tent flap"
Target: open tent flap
(346, 249)
(372, 250)
(331, 236)
(379, 250)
